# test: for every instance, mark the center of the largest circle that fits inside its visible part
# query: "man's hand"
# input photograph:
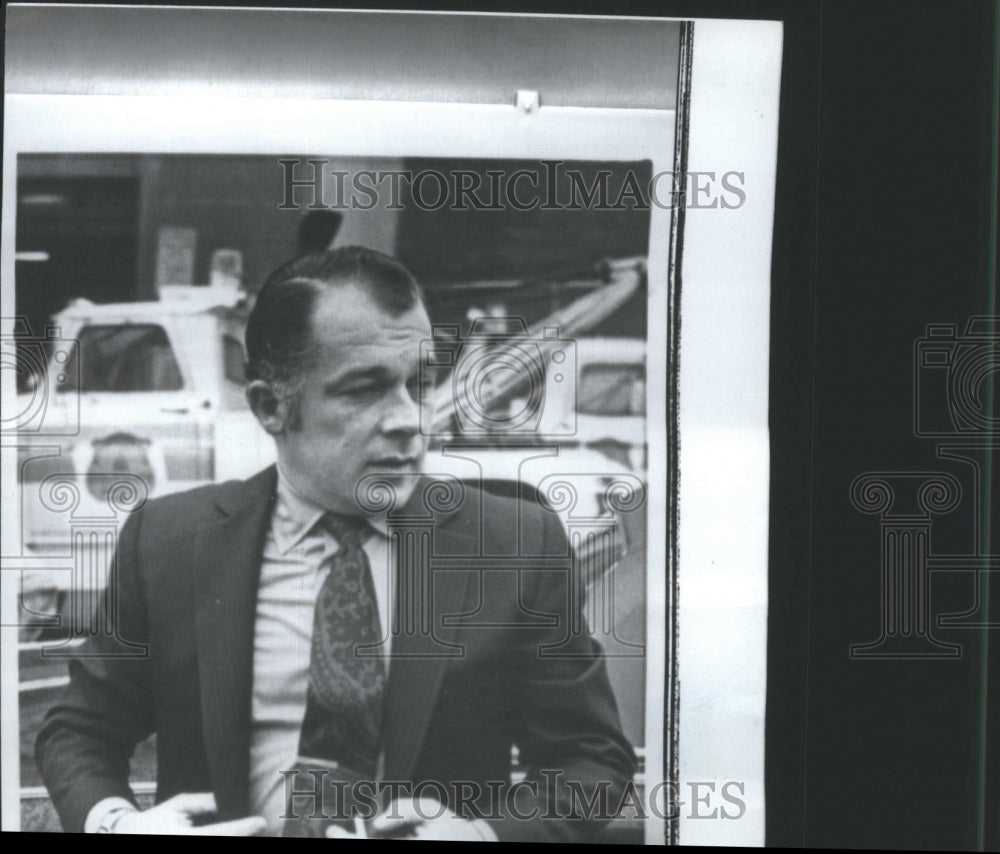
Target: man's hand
(184, 814)
(421, 818)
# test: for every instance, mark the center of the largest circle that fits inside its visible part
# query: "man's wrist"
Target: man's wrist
(105, 814)
(112, 817)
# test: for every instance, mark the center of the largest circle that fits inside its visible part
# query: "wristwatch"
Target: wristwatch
(111, 818)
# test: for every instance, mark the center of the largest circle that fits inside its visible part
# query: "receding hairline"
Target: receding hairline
(282, 327)
(362, 282)
(330, 287)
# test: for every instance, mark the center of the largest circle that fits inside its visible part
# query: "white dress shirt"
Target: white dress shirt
(296, 559)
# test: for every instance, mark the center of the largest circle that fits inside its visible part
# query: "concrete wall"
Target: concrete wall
(233, 202)
(230, 201)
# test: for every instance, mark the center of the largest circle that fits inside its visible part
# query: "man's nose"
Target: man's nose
(402, 416)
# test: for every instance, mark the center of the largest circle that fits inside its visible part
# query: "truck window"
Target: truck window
(613, 389)
(234, 363)
(234, 373)
(123, 358)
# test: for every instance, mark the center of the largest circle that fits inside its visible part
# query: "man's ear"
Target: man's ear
(270, 408)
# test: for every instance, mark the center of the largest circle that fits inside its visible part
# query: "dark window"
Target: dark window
(130, 357)
(83, 236)
(608, 389)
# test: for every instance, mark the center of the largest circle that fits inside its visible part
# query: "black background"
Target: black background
(884, 186)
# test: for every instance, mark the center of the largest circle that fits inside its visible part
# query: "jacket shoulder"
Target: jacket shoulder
(507, 522)
(204, 502)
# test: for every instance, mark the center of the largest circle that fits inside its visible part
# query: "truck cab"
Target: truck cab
(149, 389)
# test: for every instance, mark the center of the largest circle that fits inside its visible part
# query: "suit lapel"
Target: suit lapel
(419, 656)
(226, 576)
(227, 567)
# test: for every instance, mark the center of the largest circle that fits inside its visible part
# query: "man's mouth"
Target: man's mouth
(393, 462)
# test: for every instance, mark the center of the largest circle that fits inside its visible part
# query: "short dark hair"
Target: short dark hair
(279, 331)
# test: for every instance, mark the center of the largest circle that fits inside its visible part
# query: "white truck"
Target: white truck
(149, 389)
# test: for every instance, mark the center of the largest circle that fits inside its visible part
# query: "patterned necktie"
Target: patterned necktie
(342, 728)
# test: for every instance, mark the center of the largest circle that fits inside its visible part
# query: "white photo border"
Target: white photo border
(133, 124)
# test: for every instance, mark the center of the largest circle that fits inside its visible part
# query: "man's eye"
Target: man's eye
(420, 390)
(359, 390)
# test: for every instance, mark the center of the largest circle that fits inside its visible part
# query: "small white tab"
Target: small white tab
(527, 100)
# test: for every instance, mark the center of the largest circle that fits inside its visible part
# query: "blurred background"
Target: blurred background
(112, 228)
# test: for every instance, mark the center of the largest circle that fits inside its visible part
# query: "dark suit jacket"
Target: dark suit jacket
(458, 697)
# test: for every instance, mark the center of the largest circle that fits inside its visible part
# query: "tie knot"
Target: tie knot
(349, 531)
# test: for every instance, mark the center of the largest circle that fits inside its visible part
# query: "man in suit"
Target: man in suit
(341, 626)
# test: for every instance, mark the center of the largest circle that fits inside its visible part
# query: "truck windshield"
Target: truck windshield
(123, 358)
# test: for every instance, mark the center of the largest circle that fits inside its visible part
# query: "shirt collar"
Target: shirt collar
(295, 516)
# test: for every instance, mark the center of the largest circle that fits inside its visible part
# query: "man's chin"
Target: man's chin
(401, 478)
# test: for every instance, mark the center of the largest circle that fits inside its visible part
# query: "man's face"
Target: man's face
(359, 401)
